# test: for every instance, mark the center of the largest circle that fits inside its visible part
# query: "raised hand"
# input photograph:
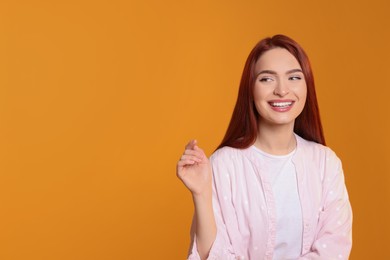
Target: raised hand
(194, 170)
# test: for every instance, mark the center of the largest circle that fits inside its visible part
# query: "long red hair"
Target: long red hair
(243, 126)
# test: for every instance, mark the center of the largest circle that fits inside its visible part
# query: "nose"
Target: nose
(281, 89)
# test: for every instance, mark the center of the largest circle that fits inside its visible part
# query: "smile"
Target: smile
(281, 106)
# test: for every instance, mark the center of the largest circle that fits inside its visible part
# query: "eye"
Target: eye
(295, 78)
(266, 79)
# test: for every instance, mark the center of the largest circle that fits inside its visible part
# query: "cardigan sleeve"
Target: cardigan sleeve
(223, 212)
(333, 238)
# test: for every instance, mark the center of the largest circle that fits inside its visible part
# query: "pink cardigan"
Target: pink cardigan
(244, 205)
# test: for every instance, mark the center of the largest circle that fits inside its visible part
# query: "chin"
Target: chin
(281, 122)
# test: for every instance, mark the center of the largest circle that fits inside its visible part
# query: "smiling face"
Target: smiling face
(280, 88)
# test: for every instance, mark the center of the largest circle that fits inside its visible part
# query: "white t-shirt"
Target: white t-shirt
(282, 176)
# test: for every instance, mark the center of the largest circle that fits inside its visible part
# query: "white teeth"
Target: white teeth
(281, 104)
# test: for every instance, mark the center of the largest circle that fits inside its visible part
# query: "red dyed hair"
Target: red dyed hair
(243, 127)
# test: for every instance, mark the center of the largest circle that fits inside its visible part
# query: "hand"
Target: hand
(194, 170)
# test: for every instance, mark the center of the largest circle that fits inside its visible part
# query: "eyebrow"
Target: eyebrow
(274, 72)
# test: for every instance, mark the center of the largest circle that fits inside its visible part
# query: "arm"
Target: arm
(333, 238)
(205, 227)
(209, 234)
(195, 172)
(221, 247)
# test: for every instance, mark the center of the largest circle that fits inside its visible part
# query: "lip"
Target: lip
(281, 105)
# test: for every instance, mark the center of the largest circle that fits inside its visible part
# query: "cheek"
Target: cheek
(302, 95)
(260, 93)
(259, 98)
(302, 92)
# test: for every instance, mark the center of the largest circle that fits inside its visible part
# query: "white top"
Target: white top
(282, 176)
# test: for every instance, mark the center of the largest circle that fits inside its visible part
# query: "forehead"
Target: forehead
(277, 59)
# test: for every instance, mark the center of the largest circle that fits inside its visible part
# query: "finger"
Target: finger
(193, 152)
(184, 163)
(190, 157)
(191, 144)
(200, 151)
(198, 154)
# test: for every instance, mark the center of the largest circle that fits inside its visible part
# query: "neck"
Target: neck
(277, 140)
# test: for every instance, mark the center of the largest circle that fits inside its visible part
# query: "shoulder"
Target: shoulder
(313, 148)
(315, 152)
(231, 159)
(228, 154)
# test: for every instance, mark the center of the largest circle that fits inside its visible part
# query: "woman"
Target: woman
(272, 190)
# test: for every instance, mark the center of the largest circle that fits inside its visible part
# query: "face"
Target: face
(280, 89)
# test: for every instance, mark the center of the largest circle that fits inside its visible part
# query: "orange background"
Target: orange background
(98, 98)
